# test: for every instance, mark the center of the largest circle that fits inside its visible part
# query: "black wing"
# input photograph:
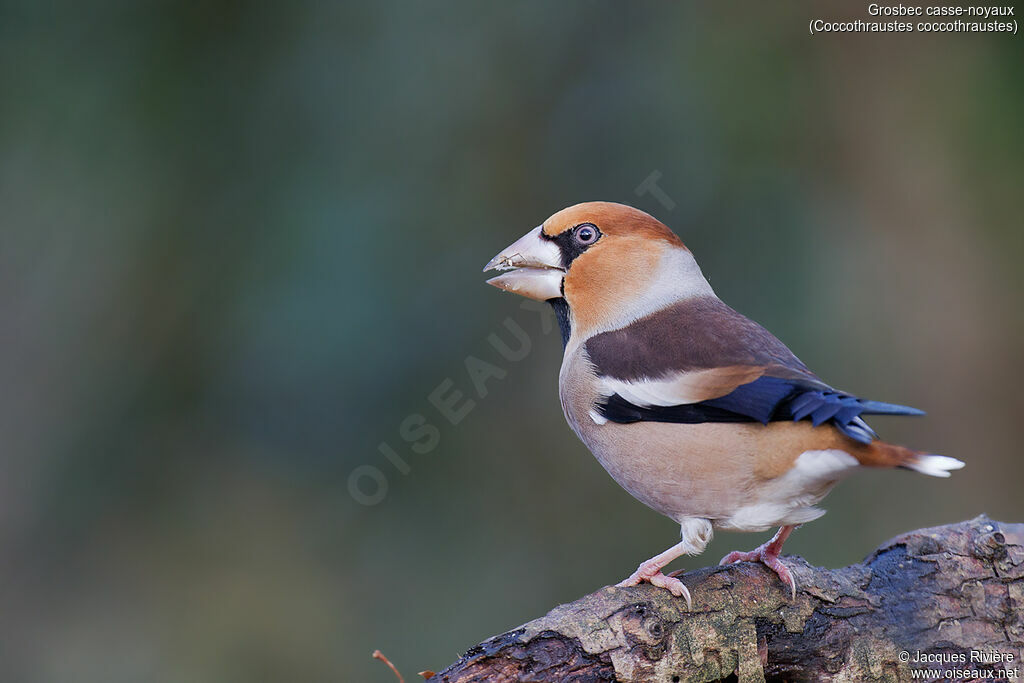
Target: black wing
(766, 399)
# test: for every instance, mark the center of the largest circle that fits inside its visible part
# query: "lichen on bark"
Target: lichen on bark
(942, 591)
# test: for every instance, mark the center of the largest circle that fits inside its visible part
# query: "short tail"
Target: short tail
(882, 454)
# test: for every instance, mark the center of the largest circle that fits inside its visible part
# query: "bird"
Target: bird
(694, 409)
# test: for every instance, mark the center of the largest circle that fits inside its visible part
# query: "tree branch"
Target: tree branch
(948, 591)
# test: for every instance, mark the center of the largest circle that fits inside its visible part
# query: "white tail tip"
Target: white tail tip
(934, 465)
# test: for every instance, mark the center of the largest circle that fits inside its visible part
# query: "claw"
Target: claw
(775, 564)
(695, 535)
(767, 559)
(739, 556)
(768, 555)
(656, 578)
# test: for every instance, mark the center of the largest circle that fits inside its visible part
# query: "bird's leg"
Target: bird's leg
(696, 534)
(769, 555)
(650, 571)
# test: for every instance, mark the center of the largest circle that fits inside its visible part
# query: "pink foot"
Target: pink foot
(770, 559)
(651, 573)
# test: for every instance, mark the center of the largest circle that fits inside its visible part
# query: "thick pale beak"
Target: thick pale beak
(535, 264)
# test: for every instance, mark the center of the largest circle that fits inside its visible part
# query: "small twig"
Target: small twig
(377, 654)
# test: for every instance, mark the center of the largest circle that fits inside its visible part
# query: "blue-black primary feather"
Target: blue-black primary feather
(766, 399)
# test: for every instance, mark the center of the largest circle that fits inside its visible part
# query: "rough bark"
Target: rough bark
(947, 591)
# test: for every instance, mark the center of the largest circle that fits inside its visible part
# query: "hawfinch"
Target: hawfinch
(697, 411)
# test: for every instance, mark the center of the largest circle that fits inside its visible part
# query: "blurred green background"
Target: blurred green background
(241, 244)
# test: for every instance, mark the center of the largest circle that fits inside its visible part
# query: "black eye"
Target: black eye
(586, 234)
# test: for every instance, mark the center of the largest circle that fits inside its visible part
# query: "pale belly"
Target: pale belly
(745, 476)
(714, 471)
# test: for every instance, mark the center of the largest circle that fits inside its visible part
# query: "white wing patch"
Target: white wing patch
(673, 391)
(680, 388)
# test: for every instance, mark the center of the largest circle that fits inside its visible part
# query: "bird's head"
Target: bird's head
(609, 263)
